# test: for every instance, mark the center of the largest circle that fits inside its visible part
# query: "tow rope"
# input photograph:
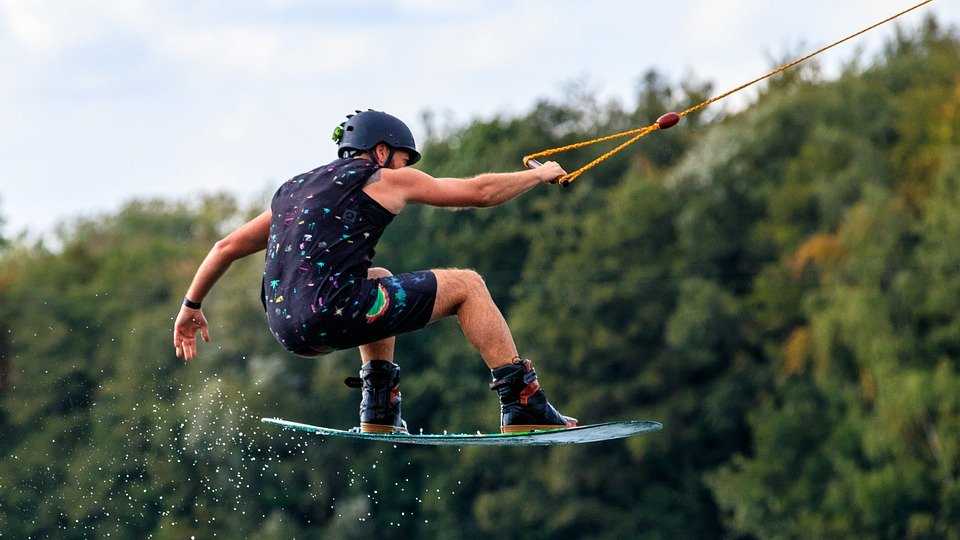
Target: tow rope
(671, 119)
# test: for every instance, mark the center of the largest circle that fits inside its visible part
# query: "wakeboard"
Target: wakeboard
(575, 435)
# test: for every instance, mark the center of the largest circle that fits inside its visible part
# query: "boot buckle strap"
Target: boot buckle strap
(528, 391)
(527, 378)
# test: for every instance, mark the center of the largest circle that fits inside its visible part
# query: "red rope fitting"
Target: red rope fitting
(668, 120)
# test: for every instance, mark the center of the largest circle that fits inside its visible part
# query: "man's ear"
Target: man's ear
(380, 154)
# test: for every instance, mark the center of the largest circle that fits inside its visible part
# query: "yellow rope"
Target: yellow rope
(639, 133)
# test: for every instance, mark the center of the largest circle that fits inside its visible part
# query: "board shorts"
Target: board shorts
(372, 310)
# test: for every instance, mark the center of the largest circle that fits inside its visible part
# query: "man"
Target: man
(321, 294)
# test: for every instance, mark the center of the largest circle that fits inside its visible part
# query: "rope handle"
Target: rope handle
(533, 164)
(671, 119)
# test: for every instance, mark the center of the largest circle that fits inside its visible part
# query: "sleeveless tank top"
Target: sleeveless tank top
(320, 246)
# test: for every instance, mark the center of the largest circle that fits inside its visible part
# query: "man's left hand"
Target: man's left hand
(185, 332)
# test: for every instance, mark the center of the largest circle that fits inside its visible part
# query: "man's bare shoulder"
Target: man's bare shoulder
(393, 188)
(404, 176)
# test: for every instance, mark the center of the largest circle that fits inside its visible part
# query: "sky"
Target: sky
(102, 101)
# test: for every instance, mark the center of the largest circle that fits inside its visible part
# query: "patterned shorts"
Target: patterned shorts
(373, 310)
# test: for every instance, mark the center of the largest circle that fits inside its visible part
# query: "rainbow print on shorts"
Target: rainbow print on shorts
(380, 305)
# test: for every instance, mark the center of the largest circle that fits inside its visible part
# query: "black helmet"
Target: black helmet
(366, 129)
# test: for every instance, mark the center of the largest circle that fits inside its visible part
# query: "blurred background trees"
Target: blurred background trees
(778, 286)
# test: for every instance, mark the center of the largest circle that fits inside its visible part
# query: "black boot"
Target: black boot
(523, 405)
(380, 406)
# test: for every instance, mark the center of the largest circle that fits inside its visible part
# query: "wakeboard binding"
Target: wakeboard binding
(523, 404)
(379, 383)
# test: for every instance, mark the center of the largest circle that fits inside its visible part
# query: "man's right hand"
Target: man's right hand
(550, 172)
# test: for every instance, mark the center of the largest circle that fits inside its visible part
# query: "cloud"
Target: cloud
(49, 27)
(263, 51)
(29, 27)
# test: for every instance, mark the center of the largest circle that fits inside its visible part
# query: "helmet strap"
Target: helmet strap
(389, 157)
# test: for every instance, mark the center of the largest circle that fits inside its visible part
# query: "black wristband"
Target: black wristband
(192, 305)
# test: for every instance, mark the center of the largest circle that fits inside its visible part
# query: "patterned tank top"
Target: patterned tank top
(321, 243)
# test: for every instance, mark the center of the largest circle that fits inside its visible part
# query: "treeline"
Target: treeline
(780, 287)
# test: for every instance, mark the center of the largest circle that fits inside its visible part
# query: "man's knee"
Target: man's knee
(461, 282)
(473, 280)
(454, 287)
(378, 272)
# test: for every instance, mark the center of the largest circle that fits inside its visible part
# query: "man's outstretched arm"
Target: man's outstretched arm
(402, 186)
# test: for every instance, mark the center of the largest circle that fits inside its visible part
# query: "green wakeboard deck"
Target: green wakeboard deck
(580, 434)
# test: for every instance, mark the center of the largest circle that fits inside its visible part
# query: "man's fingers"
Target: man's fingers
(178, 343)
(185, 340)
(188, 342)
(183, 346)
(554, 170)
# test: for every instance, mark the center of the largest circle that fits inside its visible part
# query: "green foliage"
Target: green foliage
(778, 286)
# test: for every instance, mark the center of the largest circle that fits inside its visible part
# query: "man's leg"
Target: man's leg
(383, 349)
(463, 293)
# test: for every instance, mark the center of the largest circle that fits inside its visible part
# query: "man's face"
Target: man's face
(400, 159)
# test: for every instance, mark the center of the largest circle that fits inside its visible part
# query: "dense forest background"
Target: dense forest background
(780, 287)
